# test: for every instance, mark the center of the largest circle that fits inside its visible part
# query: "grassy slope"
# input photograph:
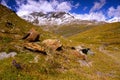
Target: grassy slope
(108, 34)
(105, 41)
(51, 67)
(56, 66)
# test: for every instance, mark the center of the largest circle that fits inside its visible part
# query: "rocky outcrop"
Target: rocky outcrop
(34, 47)
(54, 44)
(77, 54)
(82, 50)
(32, 36)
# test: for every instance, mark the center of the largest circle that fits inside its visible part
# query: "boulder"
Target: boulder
(34, 47)
(77, 54)
(32, 35)
(83, 50)
(54, 44)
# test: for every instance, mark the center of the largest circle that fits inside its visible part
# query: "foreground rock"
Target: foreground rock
(82, 50)
(54, 44)
(4, 55)
(32, 36)
(34, 47)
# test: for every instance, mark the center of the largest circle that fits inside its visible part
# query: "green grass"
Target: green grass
(108, 34)
(106, 61)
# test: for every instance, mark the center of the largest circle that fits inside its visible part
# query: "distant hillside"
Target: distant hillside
(106, 34)
(71, 29)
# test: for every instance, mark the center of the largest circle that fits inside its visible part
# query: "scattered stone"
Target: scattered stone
(83, 50)
(54, 44)
(85, 63)
(34, 47)
(36, 58)
(17, 65)
(110, 74)
(17, 36)
(3, 31)
(4, 55)
(32, 35)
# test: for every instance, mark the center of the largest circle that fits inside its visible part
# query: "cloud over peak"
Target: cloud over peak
(98, 5)
(99, 16)
(94, 12)
(112, 12)
(44, 6)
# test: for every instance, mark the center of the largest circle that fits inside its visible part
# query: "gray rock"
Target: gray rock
(4, 55)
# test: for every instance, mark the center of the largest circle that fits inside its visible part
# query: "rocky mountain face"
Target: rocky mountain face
(55, 18)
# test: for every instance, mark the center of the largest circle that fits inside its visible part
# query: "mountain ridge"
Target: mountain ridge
(56, 18)
(60, 18)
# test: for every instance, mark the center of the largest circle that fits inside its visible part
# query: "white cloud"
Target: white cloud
(98, 5)
(45, 6)
(99, 16)
(64, 6)
(54, 3)
(20, 2)
(28, 6)
(112, 12)
(33, 6)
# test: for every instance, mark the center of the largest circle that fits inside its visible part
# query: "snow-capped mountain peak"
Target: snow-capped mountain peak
(56, 18)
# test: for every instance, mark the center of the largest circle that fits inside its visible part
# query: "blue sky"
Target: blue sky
(100, 10)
